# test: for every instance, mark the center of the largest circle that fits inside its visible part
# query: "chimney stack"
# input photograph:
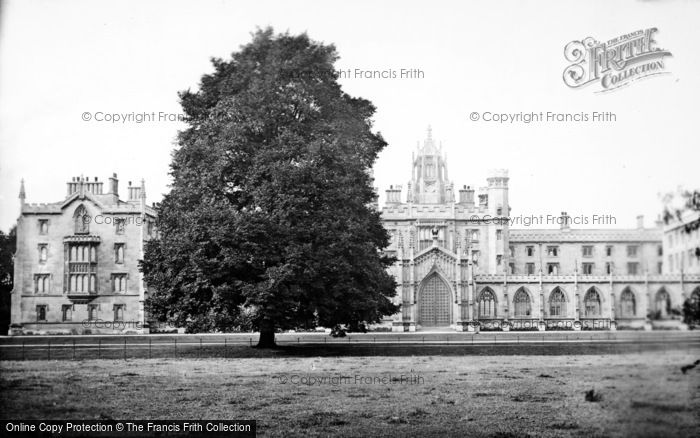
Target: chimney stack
(565, 222)
(466, 196)
(659, 222)
(483, 200)
(640, 221)
(134, 192)
(114, 185)
(393, 195)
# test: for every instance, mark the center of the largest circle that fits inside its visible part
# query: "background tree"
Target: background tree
(691, 311)
(270, 207)
(676, 205)
(8, 245)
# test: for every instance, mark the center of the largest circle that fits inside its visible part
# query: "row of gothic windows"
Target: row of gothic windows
(586, 250)
(82, 283)
(83, 253)
(557, 303)
(588, 268)
(67, 312)
(79, 283)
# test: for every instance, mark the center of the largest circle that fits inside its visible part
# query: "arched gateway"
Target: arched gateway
(434, 303)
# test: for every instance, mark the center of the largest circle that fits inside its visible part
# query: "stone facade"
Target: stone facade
(76, 265)
(682, 243)
(460, 265)
(459, 262)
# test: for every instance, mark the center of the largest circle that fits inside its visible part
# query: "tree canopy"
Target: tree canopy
(269, 220)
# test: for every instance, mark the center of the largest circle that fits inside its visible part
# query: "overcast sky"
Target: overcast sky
(60, 59)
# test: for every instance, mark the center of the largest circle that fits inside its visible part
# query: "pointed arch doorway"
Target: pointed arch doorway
(434, 303)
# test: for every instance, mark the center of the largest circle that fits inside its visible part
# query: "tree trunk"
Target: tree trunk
(267, 335)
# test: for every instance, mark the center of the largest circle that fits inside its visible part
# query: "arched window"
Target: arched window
(628, 304)
(81, 220)
(487, 304)
(67, 312)
(119, 312)
(521, 303)
(120, 254)
(591, 303)
(663, 303)
(557, 303)
(41, 313)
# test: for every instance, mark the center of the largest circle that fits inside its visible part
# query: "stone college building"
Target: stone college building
(460, 265)
(76, 265)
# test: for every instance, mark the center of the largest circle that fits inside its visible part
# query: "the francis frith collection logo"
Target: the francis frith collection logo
(616, 62)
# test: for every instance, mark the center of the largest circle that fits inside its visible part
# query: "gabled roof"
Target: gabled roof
(86, 195)
(437, 249)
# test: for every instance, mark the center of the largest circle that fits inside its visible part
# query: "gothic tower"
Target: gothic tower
(429, 183)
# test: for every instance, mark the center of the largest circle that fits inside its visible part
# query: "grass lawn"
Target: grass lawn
(493, 396)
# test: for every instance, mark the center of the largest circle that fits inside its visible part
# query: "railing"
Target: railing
(490, 324)
(528, 324)
(523, 324)
(381, 344)
(561, 324)
(595, 324)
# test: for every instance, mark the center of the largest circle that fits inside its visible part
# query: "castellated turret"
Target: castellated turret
(497, 191)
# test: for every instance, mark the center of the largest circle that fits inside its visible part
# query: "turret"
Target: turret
(449, 191)
(498, 192)
(143, 198)
(429, 184)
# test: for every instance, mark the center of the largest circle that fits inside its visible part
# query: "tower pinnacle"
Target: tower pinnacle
(22, 192)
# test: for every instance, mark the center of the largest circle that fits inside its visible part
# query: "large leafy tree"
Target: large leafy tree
(270, 216)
